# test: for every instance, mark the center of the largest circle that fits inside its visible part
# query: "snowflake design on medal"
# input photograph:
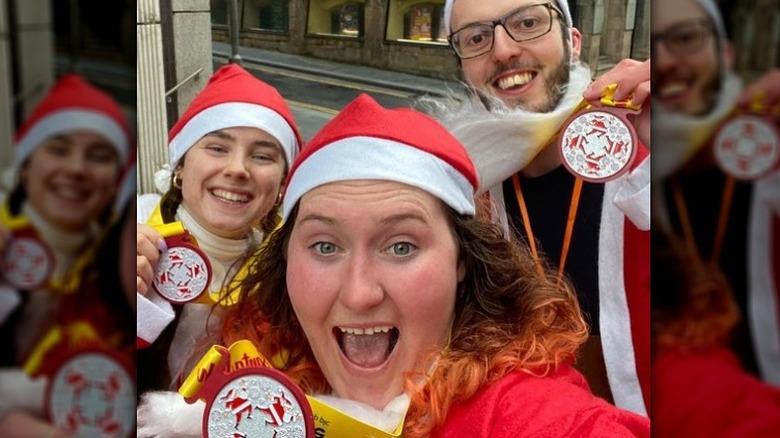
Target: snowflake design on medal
(91, 395)
(182, 274)
(256, 406)
(27, 263)
(597, 146)
(747, 147)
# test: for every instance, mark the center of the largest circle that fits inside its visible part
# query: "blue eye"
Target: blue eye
(324, 248)
(402, 248)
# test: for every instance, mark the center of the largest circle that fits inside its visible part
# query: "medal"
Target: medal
(183, 272)
(28, 263)
(92, 394)
(599, 144)
(747, 147)
(245, 397)
(233, 379)
(91, 389)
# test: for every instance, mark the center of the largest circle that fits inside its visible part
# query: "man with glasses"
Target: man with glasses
(732, 224)
(520, 59)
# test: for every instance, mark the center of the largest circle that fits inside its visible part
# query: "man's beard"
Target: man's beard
(555, 80)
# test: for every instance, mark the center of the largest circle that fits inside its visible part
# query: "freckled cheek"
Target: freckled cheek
(311, 289)
(428, 297)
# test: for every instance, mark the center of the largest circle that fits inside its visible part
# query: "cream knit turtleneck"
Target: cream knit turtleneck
(195, 318)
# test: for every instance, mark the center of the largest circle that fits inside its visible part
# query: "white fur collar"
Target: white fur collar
(503, 141)
(678, 137)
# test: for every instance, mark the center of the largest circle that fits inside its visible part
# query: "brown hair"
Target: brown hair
(508, 317)
(692, 302)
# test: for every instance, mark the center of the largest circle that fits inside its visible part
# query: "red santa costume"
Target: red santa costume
(751, 241)
(609, 255)
(232, 97)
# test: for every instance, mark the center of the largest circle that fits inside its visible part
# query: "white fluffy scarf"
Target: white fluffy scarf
(678, 137)
(502, 141)
(167, 415)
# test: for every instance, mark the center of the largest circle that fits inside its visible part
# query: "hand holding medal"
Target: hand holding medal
(747, 145)
(599, 144)
(183, 271)
(27, 262)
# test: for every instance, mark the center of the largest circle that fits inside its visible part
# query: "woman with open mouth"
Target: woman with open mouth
(388, 296)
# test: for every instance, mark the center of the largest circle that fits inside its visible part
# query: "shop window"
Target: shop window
(270, 15)
(219, 12)
(416, 21)
(336, 17)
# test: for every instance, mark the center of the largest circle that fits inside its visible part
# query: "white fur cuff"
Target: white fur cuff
(167, 415)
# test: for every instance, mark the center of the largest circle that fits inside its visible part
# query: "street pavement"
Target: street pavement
(317, 89)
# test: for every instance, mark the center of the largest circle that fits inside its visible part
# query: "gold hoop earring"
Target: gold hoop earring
(279, 199)
(178, 186)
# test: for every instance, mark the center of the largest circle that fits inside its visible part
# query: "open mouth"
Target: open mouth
(71, 193)
(672, 88)
(514, 81)
(231, 197)
(367, 347)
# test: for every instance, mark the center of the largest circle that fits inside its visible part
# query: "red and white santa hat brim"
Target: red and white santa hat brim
(234, 98)
(126, 189)
(368, 142)
(73, 105)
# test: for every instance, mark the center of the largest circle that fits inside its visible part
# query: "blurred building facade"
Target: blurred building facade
(408, 35)
(42, 39)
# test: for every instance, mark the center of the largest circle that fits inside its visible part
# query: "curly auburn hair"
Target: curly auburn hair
(692, 302)
(509, 316)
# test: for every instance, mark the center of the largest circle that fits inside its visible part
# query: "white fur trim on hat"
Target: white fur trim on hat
(234, 114)
(363, 158)
(712, 9)
(562, 5)
(72, 120)
(126, 190)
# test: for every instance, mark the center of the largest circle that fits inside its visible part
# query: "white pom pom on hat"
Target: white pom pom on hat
(366, 141)
(234, 98)
(72, 105)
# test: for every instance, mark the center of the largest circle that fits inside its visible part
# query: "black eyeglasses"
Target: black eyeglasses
(523, 24)
(685, 38)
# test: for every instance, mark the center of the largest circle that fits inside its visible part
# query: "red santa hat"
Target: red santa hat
(365, 141)
(234, 98)
(74, 105)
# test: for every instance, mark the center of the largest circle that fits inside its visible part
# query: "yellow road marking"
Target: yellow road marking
(334, 82)
(312, 107)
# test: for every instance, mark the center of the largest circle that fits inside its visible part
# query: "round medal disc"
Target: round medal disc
(183, 273)
(747, 147)
(92, 395)
(28, 263)
(597, 145)
(258, 403)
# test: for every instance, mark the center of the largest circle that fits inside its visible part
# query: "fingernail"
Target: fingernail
(162, 245)
(587, 89)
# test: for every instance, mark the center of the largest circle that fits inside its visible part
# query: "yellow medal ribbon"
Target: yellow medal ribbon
(72, 335)
(328, 421)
